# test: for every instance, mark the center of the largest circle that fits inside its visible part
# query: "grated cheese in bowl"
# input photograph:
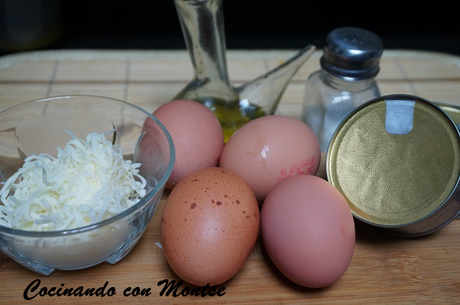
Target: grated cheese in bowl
(89, 181)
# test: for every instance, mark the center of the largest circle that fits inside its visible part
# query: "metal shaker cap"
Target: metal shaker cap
(352, 52)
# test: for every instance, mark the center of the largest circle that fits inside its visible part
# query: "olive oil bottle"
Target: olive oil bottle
(203, 30)
(202, 26)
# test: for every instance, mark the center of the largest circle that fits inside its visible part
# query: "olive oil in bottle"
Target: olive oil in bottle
(231, 115)
(203, 29)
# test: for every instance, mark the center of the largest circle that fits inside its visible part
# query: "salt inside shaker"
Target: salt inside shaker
(349, 65)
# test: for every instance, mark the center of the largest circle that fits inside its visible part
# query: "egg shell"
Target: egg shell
(209, 226)
(269, 149)
(308, 230)
(197, 136)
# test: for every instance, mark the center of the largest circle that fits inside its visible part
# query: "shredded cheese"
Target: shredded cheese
(88, 181)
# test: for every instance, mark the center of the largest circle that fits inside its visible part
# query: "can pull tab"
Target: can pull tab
(399, 117)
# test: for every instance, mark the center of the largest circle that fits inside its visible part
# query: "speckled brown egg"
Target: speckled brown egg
(209, 226)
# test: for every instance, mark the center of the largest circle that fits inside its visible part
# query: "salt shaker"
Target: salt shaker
(349, 65)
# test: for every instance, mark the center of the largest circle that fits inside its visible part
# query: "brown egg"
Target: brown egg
(209, 226)
(197, 136)
(308, 230)
(269, 149)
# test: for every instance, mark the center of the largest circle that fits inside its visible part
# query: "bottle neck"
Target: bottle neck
(344, 83)
(202, 25)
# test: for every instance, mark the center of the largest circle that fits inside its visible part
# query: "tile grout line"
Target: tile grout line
(52, 78)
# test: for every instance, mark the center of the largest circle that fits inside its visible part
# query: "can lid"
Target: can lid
(452, 110)
(352, 52)
(396, 159)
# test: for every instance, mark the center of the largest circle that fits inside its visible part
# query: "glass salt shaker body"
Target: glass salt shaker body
(349, 65)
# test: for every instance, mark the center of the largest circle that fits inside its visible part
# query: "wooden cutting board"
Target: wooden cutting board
(385, 269)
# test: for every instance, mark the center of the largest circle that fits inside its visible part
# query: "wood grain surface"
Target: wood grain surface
(385, 269)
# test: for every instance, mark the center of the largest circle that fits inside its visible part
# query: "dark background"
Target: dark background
(253, 24)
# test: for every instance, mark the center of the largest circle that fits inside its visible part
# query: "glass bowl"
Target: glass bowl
(39, 127)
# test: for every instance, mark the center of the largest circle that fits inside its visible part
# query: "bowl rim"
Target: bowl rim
(160, 184)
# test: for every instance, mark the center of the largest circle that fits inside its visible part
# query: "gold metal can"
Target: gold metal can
(452, 110)
(396, 159)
